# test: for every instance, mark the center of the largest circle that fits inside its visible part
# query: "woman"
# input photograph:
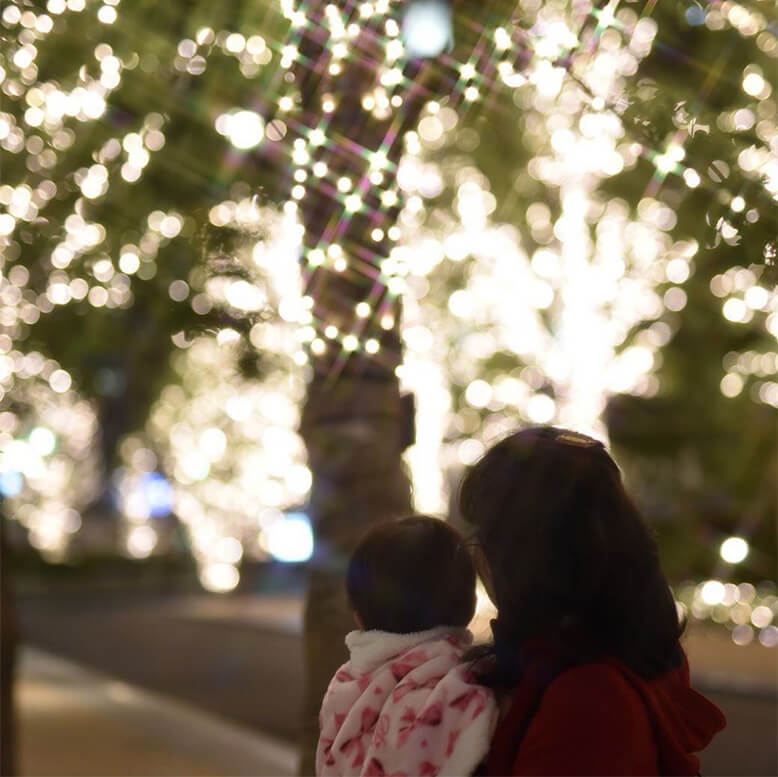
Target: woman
(586, 655)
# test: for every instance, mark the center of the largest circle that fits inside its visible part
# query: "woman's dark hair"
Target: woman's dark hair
(411, 575)
(565, 544)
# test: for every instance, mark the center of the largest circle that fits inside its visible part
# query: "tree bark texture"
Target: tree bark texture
(355, 423)
(355, 432)
(8, 640)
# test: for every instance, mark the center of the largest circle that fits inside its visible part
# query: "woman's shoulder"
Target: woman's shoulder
(605, 673)
(595, 700)
(599, 684)
(589, 720)
(584, 696)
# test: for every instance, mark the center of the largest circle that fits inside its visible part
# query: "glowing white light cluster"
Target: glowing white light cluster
(244, 129)
(744, 299)
(749, 612)
(556, 319)
(49, 453)
(229, 443)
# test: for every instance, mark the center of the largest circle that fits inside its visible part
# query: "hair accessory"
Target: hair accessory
(574, 438)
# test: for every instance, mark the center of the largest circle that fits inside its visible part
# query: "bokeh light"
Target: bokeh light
(734, 550)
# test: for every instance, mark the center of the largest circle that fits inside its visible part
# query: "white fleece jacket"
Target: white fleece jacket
(404, 705)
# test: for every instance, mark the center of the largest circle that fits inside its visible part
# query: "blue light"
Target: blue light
(427, 28)
(11, 483)
(290, 539)
(158, 493)
(695, 15)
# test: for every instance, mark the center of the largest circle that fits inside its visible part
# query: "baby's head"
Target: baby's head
(411, 575)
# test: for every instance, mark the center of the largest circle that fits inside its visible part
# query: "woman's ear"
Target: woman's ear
(358, 620)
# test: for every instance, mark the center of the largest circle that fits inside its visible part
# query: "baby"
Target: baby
(404, 704)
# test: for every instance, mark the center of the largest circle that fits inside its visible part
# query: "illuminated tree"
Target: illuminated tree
(708, 80)
(649, 256)
(226, 438)
(50, 458)
(106, 195)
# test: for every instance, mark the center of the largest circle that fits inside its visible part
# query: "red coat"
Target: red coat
(603, 719)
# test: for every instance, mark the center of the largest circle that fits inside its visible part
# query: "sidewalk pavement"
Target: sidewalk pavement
(73, 721)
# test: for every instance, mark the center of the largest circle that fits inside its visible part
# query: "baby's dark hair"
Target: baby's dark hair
(411, 575)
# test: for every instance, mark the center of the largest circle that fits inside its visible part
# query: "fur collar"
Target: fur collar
(369, 649)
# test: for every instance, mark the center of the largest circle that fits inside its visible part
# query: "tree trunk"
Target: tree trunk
(8, 639)
(355, 423)
(355, 435)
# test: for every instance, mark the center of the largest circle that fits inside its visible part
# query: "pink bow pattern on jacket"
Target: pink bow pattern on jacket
(404, 705)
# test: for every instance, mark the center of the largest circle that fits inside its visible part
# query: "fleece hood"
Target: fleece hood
(404, 705)
(683, 720)
(562, 718)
